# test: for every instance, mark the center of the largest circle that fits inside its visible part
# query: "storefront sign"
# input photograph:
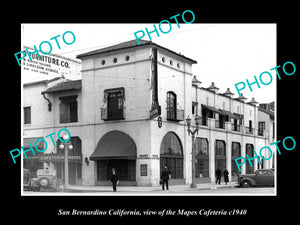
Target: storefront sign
(155, 157)
(49, 65)
(145, 156)
(59, 158)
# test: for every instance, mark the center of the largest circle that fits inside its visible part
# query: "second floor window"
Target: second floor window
(171, 106)
(261, 128)
(115, 104)
(68, 109)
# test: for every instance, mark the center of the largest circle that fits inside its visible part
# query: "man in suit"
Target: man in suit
(218, 175)
(114, 179)
(165, 175)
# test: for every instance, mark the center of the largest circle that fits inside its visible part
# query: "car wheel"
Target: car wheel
(246, 184)
(44, 182)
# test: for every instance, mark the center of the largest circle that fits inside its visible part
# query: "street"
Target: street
(158, 191)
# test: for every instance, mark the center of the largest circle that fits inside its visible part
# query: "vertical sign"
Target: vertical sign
(155, 107)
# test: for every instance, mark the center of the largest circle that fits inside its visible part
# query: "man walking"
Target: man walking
(218, 175)
(165, 178)
(114, 179)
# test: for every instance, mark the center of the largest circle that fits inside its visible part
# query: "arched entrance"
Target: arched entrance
(171, 155)
(116, 150)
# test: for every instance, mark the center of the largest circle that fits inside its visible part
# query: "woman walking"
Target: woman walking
(226, 177)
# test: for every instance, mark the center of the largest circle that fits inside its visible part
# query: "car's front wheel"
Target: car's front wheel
(44, 182)
(246, 184)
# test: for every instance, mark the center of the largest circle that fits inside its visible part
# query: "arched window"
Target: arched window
(250, 153)
(171, 155)
(202, 157)
(235, 153)
(171, 105)
(220, 155)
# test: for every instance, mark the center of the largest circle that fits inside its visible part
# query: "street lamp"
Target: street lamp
(66, 146)
(193, 132)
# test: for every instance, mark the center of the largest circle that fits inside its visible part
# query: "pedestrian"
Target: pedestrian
(225, 174)
(165, 175)
(114, 179)
(218, 175)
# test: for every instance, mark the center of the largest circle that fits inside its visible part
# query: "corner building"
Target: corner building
(128, 112)
(135, 99)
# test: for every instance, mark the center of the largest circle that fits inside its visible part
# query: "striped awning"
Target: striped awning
(39, 145)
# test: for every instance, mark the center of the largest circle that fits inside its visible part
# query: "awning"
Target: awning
(31, 140)
(115, 145)
(39, 145)
(210, 108)
(228, 113)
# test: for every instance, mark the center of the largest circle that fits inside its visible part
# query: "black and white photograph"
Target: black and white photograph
(174, 114)
(159, 112)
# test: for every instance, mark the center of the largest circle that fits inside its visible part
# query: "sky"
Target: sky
(226, 54)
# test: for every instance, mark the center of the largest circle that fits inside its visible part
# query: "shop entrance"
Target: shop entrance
(125, 169)
(115, 150)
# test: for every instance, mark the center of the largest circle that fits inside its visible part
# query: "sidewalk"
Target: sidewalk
(135, 189)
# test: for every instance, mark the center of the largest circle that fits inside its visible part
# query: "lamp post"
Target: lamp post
(193, 132)
(66, 146)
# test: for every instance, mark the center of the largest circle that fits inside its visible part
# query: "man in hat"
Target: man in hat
(165, 175)
(114, 179)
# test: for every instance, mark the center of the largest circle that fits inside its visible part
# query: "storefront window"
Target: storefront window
(250, 153)
(202, 158)
(235, 153)
(220, 155)
(171, 155)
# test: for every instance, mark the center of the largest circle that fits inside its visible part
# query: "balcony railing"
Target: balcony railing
(203, 121)
(67, 118)
(260, 132)
(175, 115)
(112, 114)
(220, 124)
(249, 130)
(235, 127)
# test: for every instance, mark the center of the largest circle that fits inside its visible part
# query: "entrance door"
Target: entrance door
(115, 105)
(125, 169)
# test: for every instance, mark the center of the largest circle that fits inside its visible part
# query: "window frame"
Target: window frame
(26, 110)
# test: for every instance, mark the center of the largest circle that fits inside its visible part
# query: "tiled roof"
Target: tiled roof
(128, 44)
(74, 85)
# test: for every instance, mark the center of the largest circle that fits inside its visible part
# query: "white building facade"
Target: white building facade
(131, 106)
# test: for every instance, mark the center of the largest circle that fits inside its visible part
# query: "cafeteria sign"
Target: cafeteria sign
(59, 158)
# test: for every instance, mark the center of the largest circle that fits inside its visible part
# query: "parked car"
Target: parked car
(261, 177)
(46, 180)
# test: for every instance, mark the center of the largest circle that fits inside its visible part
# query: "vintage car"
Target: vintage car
(261, 177)
(46, 180)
